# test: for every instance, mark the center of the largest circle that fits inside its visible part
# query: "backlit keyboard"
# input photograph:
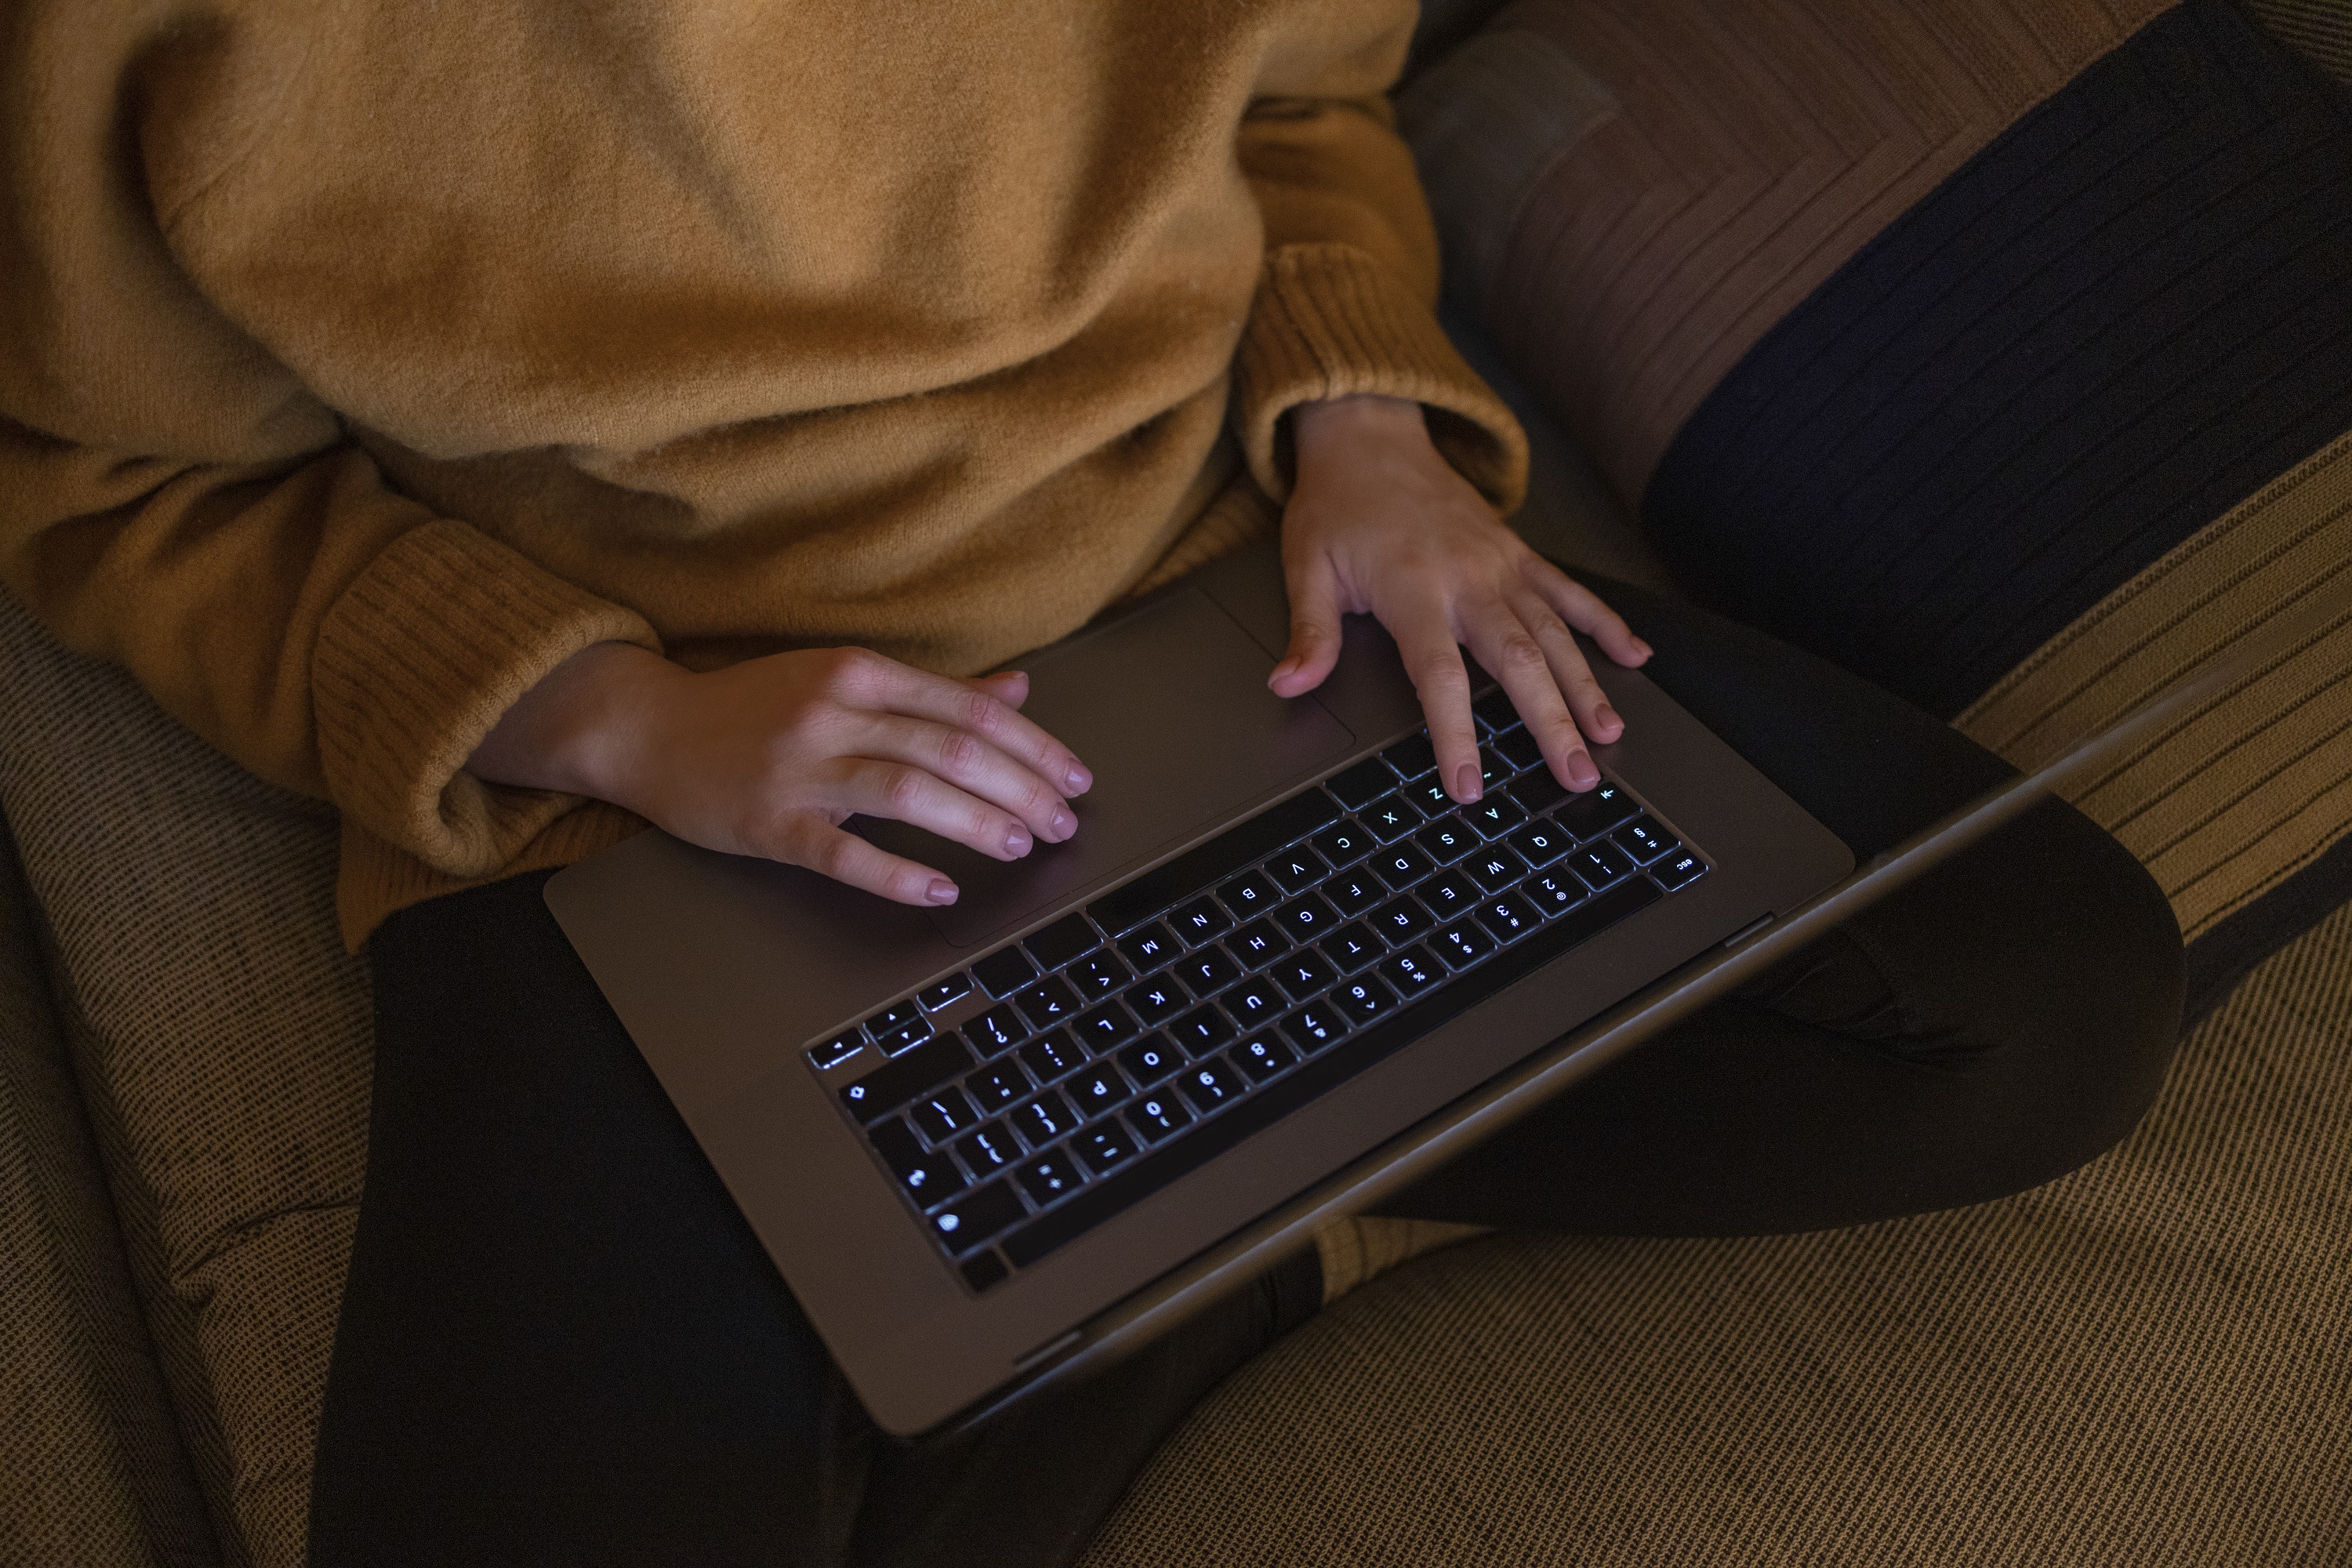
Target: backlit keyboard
(1025, 1099)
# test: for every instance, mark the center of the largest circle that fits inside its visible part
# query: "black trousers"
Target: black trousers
(561, 1344)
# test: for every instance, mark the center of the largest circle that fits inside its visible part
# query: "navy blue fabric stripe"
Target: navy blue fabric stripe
(2124, 316)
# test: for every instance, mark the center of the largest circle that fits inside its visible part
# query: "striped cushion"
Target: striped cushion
(1925, 335)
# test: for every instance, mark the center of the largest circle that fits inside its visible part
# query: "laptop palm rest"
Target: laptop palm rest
(1169, 706)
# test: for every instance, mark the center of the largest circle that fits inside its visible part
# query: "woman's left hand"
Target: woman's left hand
(1378, 522)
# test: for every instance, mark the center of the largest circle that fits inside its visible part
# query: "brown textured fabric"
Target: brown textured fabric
(220, 1040)
(2320, 28)
(2149, 1360)
(92, 1471)
(356, 366)
(2236, 797)
(1660, 181)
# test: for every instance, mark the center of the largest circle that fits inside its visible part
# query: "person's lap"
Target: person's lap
(560, 1341)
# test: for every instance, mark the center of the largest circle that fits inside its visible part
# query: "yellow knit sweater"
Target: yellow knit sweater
(361, 361)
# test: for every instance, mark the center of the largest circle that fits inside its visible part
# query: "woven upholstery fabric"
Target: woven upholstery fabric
(221, 1039)
(2149, 1360)
(92, 1471)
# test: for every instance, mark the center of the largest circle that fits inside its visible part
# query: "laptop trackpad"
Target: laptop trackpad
(1170, 708)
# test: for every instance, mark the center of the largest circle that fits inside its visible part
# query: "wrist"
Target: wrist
(582, 728)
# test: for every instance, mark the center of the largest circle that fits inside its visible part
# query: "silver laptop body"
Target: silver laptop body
(744, 985)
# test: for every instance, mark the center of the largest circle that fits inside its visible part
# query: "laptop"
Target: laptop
(1275, 972)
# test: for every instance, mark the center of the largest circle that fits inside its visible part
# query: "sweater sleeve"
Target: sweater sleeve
(174, 498)
(1346, 300)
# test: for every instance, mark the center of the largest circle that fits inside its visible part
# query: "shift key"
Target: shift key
(891, 1086)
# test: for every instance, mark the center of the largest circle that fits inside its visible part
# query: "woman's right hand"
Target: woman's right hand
(770, 756)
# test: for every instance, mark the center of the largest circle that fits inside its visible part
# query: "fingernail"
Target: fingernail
(1467, 786)
(1063, 825)
(1017, 841)
(941, 891)
(1645, 650)
(1581, 773)
(1606, 717)
(1079, 780)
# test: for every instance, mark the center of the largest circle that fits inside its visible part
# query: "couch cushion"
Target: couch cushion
(1922, 336)
(221, 1039)
(2149, 1360)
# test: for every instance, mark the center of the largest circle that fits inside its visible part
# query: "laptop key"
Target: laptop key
(832, 1053)
(1208, 972)
(1151, 1059)
(1043, 1119)
(1211, 1084)
(924, 1069)
(1412, 756)
(1364, 998)
(1096, 1091)
(1255, 1004)
(1353, 892)
(1343, 845)
(1402, 866)
(1430, 798)
(1412, 971)
(1259, 943)
(1297, 869)
(942, 1115)
(1509, 918)
(904, 1038)
(1156, 1116)
(1250, 895)
(1539, 843)
(1106, 1028)
(1149, 948)
(1537, 791)
(1641, 838)
(1103, 1148)
(1360, 785)
(1400, 921)
(1494, 815)
(892, 1017)
(1058, 944)
(1519, 748)
(1496, 868)
(987, 1150)
(1306, 919)
(1445, 841)
(1392, 819)
(997, 1030)
(1596, 811)
(994, 1088)
(1049, 1176)
(1314, 1026)
(1599, 864)
(984, 1272)
(972, 1218)
(1303, 976)
(1002, 974)
(1049, 1056)
(1448, 894)
(1263, 1056)
(1200, 1031)
(1464, 944)
(943, 992)
(1494, 710)
(1047, 1003)
(1098, 976)
(1351, 948)
(1200, 920)
(1157, 999)
(1678, 870)
(1553, 892)
(929, 1176)
(1198, 869)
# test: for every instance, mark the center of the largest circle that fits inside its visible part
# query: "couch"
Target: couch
(2148, 1360)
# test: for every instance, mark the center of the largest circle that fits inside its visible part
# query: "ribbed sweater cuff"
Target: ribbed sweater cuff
(1330, 321)
(418, 661)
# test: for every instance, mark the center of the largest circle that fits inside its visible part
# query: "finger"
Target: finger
(1314, 629)
(1580, 607)
(1511, 653)
(903, 791)
(1425, 638)
(1010, 687)
(807, 839)
(870, 680)
(962, 759)
(1586, 716)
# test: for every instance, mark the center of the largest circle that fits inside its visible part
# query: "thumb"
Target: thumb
(1314, 630)
(1010, 687)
